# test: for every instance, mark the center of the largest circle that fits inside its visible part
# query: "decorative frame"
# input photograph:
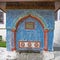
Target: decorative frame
(29, 25)
(28, 44)
(43, 26)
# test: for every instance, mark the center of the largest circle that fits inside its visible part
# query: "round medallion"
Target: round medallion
(36, 44)
(22, 44)
(29, 44)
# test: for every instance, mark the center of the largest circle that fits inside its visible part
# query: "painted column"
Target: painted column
(14, 31)
(45, 40)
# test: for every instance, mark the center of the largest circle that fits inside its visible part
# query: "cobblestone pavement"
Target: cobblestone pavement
(36, 56)
(24, 56)
(29, 56)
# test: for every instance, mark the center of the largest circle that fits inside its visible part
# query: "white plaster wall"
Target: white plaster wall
(3, 28)
(57, 34)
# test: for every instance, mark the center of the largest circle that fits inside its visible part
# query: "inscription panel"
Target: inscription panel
(29, 25)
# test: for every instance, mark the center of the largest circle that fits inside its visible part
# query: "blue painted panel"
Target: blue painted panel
(50, 40)
(36, 34)
(46, 15)
(10, 40)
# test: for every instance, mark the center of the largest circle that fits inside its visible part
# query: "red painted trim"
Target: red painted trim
(45, 40)
(15, 39)
(24, 18)
(13, 49)
(14, 30)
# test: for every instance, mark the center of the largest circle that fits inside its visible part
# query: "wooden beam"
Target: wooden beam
(30, 5)
(57, 0)
(3, 6)
(22, 0)
(57, 6)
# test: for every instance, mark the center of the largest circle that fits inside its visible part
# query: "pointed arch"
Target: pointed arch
(25, 17)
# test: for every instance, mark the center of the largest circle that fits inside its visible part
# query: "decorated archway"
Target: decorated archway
(37, 32)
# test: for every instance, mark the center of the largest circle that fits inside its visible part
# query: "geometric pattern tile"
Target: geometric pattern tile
(29, 44)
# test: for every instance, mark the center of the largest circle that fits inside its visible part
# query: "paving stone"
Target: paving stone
(29, 56)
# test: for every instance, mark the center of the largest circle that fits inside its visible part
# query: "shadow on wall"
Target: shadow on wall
(57, 34)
